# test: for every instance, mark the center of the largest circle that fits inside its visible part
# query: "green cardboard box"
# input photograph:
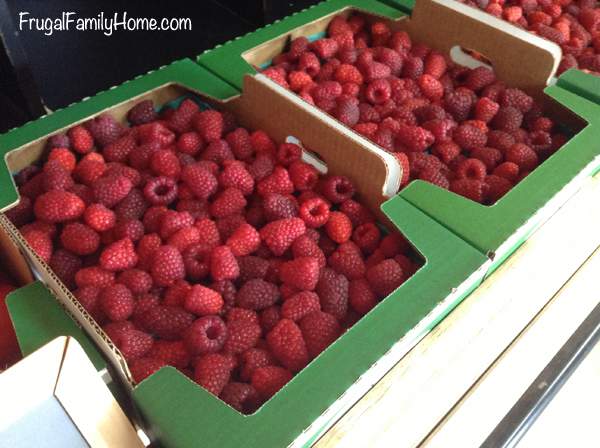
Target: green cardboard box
(175, 409)
(519, 58)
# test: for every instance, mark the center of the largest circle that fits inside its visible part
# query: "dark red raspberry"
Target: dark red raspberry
(160, 190)
(319, 330)
(332, 289)
(142, 112)
(257, 294)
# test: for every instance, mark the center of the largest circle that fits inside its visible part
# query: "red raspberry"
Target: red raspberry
(184, 238)
(337, 189)
(348, 260)
(253, 359)
(136, 280)
(175, 294)
(155, 133)
(133, 344)
(361, 297)
(252, 267)
(202, 301)
(142, 112)
(172, 221)
(413, 67)
(79, 239)
(523, 156)
(174, 353)
(300, 305)
(99, 218)
(241, 397)
(212, 372)
(110, 190)
(244, 240)
(58, 141)
(486, 109)
(262, 143)
(319, 330)
(405, 167)
(469, 137)
(104, 129)
(145, 249)
(117, 302)
(314, 212)
(332, 289)
(515, 98)
(496, 187)
(242, 335)
(140, 157)
(22, 213)
(58, 206)
(242, 314)
(229, 224)
(299, 80)
(374, 70)
(88, 298)
(94, 276)
(507, 170)
(339, 227)
(301, 273)
(277, 74)
(83, 192)
(229, 202)
(81, 139)
(287, 345)
(190, 143)
(378, 91)
(430, 87)
(181, 119)
(489, 156)
(223, 265)
(470, 188)
(268, 380)
(167, 266)
(507, 119)
(304, 246)
(287, 153)
(385, 277)
(446, 151)
(435, 65)
(346, 111)
(348, 73)
(257, 294)
(303, 176)
(217, 151)
(142, 368)
(277, 182)
(324, 48)
(165, 163)
(166, 322)
(309, 63)
(209, 124)
(64, 157)
(279, 235)
(276, 206)
(367, 237)
(414, 138)
(40, 242)
(471, 169)
(119, 150)
(500, 140)
(434, 177)
(269, 318)
(65, 265)
(479, 77)
(160, 190)
(209, 231)
(235, 175)
(118, 256)
(458, 104)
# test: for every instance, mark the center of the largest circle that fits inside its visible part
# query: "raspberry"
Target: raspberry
(166, 322)
(155, 133)
(160, 190)
(414, 138)
(309, 63)
(81, 139)
(88, 298)
(287, 345)
(142, 112)
(64, 157)
(279, 235)
(235, 175)
(110, 190)
(434, 177)
(242, 314)
(223, 265)
(523, 156)
(252, 267)
(79, 239)
(446, 151)
(332, 289)
(471, 169)
(133, 344)
(337, 189)
(268, 380)
(324, 48)
(440, 128)
(136, 280)
(142, 368)
(319, 330)
(496, 187)
(516, 98)
(378, 91)
(181, 120)
(167, 266)
(65, 265)
(217, 151)
(229, 224)
(299, 305)
(339, 227)
(104, 129)
(242, 335)
(174, 353)
(202, 301)
(435, 65)
(304, 246)
(94, 276)
(287, 153)
(174, 295)
(277, 182)
(189, 143)
(301, 273)
(458, 104)
(59, 141)
(413, 67)
(269, 318)
(184, 238)
(486, 109)
(360, 296)
(99, 218)
(430, 87)
(212, 372)
(153, 217)
(229, 202)
(209, 124)
(21, 213)
(172, 221)
(469, 137)
(348, 73)
(241, 397)
(277, 206)
(367, 237)
(299, 80)
(165, 163)
(500, 140)
(117, 302)
(199, 180)
(346, 111)
(385, 277)
(58, 206)
(470, 188)
(507, 170)
(118, 256)
(479, 78)
(315, 212)
(40, 242)
(244, 240)
(507, 119)
(257, 294)
(347, 260)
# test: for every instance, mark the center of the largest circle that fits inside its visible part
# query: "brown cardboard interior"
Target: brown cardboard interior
(12, 261)
(82, 414)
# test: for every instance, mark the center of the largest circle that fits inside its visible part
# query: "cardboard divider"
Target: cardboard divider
(186, 413)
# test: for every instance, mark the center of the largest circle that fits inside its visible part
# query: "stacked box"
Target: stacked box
(175, 409)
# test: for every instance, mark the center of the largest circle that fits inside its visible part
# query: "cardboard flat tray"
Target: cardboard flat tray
(178, 411)
(519, 58)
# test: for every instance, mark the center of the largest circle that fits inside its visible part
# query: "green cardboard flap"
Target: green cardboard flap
(403, 5)
(582, 84)
(184, 71)
(181, 413)
(226, 60)
(39, 318)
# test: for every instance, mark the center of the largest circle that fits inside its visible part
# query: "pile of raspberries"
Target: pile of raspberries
(573, 25)
(458, 128)
(197, 244)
